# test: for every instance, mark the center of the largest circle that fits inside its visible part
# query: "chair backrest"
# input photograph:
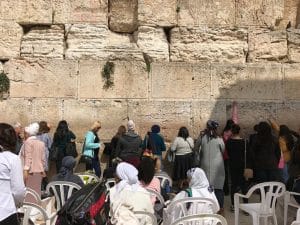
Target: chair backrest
(201, 219)
(32, 212)
(157, 195)
(269, 192)
(62, 190)
(34, 195)
(88, 178)
(188, 206)
(163, 180)
(145, 218)
(110, 183)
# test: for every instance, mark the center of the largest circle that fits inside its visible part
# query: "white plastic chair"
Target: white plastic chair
(163, 179)
(145, 218)
(186, 207)
(297, 221)
(110, 183)
(157, 195)
(201, 219)
(269, 192)
(88, 178)
(35, 212)
(62, 190)
(34, 194)
(288, 203)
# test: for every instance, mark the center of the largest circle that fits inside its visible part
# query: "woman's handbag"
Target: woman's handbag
(170, 155)
(71, 149)
(248, 173)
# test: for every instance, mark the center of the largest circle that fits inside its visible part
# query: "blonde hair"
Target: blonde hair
(96, 125)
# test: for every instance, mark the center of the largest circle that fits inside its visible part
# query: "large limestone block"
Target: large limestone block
(288, 113)
(291, 14)
(1, 67)
(78, 11)
(130, 80)
(81, 115)
(159, 12)
(42, 78)
(266, 45)
(265, 13)
(153, 42)
(88, 41)
(169, 114)
(26, 12)
(180, 81)
(10, 39)
(43, 42)
(208, 44)
(206, 12)
(123, 15)
(292, 82)
(251, 81)
(294, 45)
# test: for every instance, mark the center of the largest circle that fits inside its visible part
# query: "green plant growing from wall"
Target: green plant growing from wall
(107, 72)
(178, 9)
(4, 84)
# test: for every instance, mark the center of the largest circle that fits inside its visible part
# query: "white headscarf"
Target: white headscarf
(130, 125)
(129, 177)
(200, 185)
(32, 129)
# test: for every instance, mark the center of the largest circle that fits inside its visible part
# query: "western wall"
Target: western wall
(171, 62)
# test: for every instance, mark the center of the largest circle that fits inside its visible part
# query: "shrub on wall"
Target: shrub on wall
(107, 72)
(4, 85)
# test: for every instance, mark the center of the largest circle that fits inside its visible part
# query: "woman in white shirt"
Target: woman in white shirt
(11, 176)
(183, 147)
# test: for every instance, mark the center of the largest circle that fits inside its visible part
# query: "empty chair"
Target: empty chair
(201, 219)
(88, 178)
(269, 192)
(62, 190)
(35, 212)
(289, 203)
(145, 218)
(186, 207)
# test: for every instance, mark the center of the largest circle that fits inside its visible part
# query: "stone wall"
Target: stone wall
(177, 62)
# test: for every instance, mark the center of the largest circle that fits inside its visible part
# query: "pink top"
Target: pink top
(33, 155)
(153, 185)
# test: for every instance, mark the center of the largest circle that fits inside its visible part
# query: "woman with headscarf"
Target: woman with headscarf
(33, 157)
(128, 196)
(66, 172)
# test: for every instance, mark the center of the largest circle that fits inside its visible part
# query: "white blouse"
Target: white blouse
(11, 184)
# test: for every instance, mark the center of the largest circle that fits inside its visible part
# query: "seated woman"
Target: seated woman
(128, 196)
(146, 176)
(199, 187)
(66, 172)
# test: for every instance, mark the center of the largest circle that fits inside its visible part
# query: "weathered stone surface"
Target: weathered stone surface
(158, 12)
(78, 11)
(43, 42)
(251, 81)
(98, 42)
(130, 80)
(81, 115)
(38, 78)
(170, 115)
(292, 82)
(153, 42)
(180, 81)
(290, 14)
(1, 67)
(265, 13)
(206, 12)
(10, 39)
(208, 44)
(294, 45)
(123, 15)
(33, 12)
(266, 45)
(289, 113)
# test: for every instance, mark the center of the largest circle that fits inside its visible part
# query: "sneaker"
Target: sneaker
(232, 208)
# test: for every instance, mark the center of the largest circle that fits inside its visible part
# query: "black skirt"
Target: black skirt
(181, 165)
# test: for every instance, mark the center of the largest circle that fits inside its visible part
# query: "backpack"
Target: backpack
(87, 206)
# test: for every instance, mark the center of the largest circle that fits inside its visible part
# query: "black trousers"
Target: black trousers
(11, 220)
(238, 182)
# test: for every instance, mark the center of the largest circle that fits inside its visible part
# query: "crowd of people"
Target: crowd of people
(271, 153)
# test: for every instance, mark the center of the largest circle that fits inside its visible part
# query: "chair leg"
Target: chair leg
(265, 220)
(236, 215)
(255, 220)
(285, 209)
(275, 219)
